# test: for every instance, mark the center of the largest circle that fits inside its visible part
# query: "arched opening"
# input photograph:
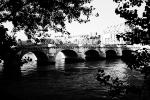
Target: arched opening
(29, 63)
(33, 60)
(1, 65)
(42, 58)
(92, 55)
(111, 54)
(126, 54)
(67, 56)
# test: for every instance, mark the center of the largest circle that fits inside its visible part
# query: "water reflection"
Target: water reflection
(1, 65)
(115, 68)
(60, 64)
(60, 61)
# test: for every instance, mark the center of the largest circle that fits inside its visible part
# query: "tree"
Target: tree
(140, 25)
(30, 15)
(136, 18)
(6, 42)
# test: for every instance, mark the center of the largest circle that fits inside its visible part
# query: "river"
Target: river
(72, 81)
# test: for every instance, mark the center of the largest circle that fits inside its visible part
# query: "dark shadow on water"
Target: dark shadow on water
(94, 58)
(112, 60)
(73, 60)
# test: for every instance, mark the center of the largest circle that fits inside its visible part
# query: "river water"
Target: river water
(75, 80)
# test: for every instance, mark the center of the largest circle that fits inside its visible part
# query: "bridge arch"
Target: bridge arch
(42, 58)
(92, 55)
(67, 55)
(111, 54)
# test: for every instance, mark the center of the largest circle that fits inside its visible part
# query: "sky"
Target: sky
(107, 17)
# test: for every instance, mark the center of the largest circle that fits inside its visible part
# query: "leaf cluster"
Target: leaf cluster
(129, 10)
(30, 14)
(140, 61)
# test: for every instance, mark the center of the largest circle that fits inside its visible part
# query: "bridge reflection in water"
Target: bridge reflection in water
(60, 61)
(112, 66)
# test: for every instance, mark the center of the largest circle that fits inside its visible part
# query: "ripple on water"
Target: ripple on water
(75, 78)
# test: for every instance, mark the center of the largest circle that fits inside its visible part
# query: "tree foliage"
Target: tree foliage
(140, 25)
(6, 42)
(30, 14)
(136, 18)
(140, 61)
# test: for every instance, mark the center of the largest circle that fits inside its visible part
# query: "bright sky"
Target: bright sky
(107, 17)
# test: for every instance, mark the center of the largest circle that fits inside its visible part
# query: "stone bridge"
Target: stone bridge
(45, 53)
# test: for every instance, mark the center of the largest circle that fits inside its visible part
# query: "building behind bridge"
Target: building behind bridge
(107, 37)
